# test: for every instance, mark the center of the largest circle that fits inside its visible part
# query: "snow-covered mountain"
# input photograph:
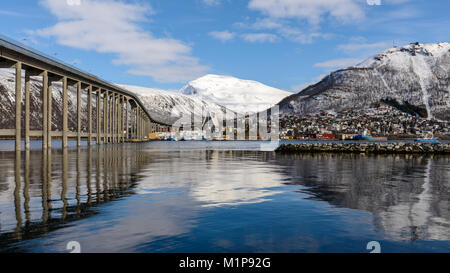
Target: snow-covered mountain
(169, 106)
(416, 73)
(211, 93)
(238, 95)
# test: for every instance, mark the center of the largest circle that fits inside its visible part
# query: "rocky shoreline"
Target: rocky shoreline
(369, 148)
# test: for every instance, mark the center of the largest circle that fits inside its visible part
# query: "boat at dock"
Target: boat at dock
(369, 138)
(429, 138)
(366, 136)
(377, 139)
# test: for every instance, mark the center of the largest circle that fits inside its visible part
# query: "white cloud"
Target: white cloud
(283, 29)
(364, 46)
(374, 2)
(211, 2)
(395, 2)
(286, 16)
(110, 26)
(339, 63)
(222, 35)
(260, 37)
(300, 20)
(11, 13)
(296, 35)
(311, 10)
(267, 23)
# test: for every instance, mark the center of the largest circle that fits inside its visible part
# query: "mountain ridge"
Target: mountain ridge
(169, 106)
(416, 73)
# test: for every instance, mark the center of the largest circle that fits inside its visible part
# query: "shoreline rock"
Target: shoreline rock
(368, 148)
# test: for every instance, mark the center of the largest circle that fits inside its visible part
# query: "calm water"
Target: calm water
(207, 197)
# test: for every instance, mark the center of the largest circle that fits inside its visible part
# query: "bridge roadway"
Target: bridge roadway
(120, 117)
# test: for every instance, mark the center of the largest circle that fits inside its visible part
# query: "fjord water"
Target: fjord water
(221, 197)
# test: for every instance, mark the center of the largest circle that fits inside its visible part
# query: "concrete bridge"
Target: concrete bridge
(120, 115)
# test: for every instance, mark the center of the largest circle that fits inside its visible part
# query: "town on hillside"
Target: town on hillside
(382, 121)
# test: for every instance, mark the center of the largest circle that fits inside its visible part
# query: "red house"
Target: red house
(325, 136)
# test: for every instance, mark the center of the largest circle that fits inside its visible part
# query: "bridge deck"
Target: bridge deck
(121, 115)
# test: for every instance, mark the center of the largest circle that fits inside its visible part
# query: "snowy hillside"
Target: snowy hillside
(236, 94)
(8, 98)
(417, 73)
(169, 106)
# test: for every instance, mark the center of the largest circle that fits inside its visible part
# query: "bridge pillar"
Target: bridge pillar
(90, 114)
(120, 119)
(27, 110)
(65, 113)
(44, 110)
(49, 112)
(98, 130)
(141, 123)
(141, 127)
(110, 117)
(113, 120)
(126, 118)
(123, 118)
(18, 104)
(79, 114)
(105, 117)
(119, 105)
(133, 124)
(123, 111)
(138, 123)
(116, 118)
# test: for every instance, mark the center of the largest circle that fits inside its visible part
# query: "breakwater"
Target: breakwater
(370, 148)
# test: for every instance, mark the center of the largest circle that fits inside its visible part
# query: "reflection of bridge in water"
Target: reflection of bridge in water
(119, 114)
(69, 184)
(59, 194)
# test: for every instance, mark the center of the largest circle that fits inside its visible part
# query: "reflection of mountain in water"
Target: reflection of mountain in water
(409, 195)
(215, 178)
(173, 196)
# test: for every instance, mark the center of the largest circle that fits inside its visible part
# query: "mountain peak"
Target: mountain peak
(411, 50)
(236, 94)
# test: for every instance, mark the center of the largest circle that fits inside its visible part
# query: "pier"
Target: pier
(369, 148)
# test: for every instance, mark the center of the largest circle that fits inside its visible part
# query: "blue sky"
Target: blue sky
(165, 43)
